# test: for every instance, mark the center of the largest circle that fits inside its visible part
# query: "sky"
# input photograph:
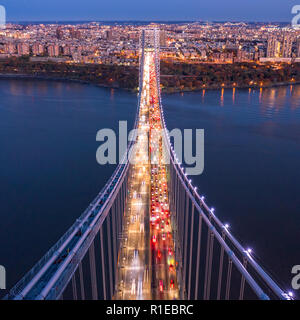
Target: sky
(149, 10)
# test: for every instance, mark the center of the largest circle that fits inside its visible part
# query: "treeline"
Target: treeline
(105, 75)
(196, 76)
(174, 76)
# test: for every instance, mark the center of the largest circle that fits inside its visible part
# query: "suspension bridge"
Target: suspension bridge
(148, 234)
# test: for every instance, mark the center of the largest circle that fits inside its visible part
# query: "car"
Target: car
(161, 286)
(163, 236)
(154, 239)
(172, 285)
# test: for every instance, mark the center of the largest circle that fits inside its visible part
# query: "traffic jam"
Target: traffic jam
(162, 245)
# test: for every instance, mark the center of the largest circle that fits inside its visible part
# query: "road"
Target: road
(147, 269)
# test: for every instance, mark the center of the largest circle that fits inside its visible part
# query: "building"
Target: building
(66, 50)
(23, 49)
(163, 38)
(287, 46)
(274, 48)
(74, 34)
(109, 35)
(37, 49)
(53, 50)
(298, 48)
(10, 48)
(59, 33)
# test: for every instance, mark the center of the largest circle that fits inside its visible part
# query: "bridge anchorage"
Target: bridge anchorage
(148, 234)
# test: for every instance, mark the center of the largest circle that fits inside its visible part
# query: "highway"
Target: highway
(147, 269)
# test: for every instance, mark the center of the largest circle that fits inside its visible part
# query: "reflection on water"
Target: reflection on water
(295, 97)
(271, 100)
(233, 95)
(112, 93)
(222, 97)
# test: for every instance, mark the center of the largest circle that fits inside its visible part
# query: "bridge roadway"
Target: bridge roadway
(147, 269)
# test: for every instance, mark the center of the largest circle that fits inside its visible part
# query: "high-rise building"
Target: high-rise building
(23, 49)
(59, 33)
(53, 50)
(74, 34)
(10, 48)
(37, 49)
(298, 48)
(163, 38)
(287, 46)
(274, 48)
(109, 35)
(66, 50)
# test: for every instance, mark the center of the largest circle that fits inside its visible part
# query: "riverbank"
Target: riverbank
(164, 90)
(49, 78)
(174, 77)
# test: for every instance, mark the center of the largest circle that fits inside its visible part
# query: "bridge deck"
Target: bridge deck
(146, 261)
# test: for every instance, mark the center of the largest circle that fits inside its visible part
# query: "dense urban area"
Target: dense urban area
(193, 55)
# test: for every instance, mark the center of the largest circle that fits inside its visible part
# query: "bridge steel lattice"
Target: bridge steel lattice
(212, 264)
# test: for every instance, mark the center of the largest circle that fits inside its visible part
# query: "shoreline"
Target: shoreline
(164, 91)
(49, 78)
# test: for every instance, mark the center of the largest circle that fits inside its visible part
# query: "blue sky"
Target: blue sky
(58, 10)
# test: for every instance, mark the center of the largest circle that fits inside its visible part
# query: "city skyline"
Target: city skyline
(215, 10)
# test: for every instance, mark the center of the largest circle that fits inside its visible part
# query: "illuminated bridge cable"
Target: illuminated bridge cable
(221, 268)
(228, 281)
(191, 252)
(81, 281)
(74, 288)
(198, 256)
(110, 263)
(103, 264)
(93, 271)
